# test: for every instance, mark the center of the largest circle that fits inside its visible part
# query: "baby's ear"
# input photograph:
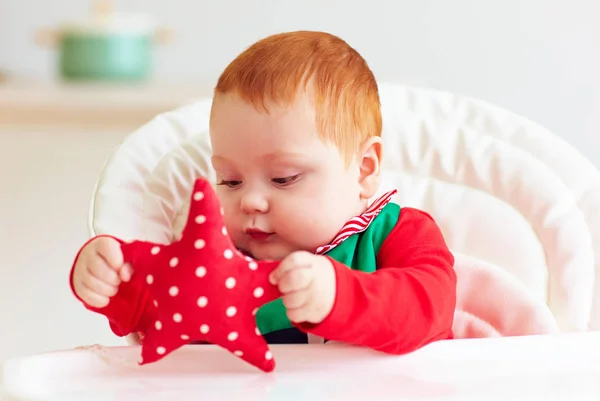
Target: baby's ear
(369, 163)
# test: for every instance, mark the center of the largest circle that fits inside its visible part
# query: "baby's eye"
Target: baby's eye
(285, 180)
(230, 184)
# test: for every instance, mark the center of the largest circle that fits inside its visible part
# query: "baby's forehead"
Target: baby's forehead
(285, 145)
(299, 123)
(232, 111)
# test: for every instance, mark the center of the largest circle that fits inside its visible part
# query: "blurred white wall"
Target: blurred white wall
(540, 58)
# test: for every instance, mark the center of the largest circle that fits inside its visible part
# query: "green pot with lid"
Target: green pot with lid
(107, 47)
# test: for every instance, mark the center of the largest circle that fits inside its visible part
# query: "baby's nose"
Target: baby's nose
(254, 202)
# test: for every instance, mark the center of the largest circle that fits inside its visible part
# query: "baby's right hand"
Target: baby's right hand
(99, 271)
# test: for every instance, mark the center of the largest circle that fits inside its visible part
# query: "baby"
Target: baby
(295, 128)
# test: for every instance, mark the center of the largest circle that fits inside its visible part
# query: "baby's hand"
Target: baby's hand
(308, 285)
(99, 270)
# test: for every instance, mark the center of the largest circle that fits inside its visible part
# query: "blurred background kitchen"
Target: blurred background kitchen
(76, 76)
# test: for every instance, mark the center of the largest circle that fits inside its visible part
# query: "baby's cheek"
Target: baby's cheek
(232, 230)
(231, 225)
(229, 213)
(313, 230)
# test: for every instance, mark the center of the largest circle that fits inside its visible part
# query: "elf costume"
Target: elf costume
(395, 286)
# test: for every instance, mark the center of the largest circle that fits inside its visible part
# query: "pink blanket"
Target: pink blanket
(492, 303)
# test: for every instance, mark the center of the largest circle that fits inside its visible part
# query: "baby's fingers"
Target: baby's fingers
(296, 300)
(296, 279)
(100, 287)
(110, 250)
(94, 300)
(101, 271)
(126, 272)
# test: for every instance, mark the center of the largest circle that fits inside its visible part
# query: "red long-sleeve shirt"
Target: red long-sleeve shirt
(406, 303)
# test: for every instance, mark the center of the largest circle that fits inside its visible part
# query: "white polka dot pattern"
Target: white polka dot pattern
(202, 302)
(230, 283)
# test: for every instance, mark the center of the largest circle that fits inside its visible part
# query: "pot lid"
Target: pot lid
(105, 20)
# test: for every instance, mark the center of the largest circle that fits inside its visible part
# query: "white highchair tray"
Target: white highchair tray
(553, 367)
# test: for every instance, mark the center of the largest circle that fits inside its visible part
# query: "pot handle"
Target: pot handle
(47, 37)
(163, 36)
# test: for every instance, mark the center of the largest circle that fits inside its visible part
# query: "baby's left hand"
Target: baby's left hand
(308, 285)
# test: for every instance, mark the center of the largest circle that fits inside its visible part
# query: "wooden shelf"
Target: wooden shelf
(98, 104)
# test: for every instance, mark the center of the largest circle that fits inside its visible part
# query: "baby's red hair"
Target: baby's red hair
(337, 78)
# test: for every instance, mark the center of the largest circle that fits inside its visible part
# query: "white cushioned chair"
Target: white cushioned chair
(518, 205)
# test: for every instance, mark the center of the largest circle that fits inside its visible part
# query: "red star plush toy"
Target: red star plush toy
(203, 288)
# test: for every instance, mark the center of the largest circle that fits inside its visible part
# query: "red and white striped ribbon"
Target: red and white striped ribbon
(359, 223)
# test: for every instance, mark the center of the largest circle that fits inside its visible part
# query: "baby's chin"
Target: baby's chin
(267, 252)
(260, 255)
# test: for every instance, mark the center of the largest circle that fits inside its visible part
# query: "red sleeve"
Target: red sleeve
(407, 303)
(128, 311)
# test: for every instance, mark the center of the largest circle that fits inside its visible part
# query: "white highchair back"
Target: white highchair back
(516, 204)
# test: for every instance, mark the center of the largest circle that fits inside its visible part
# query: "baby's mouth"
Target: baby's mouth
(258, 235)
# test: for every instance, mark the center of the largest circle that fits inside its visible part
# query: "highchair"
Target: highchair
(516, 204)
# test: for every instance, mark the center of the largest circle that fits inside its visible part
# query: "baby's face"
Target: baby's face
(283, 189)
